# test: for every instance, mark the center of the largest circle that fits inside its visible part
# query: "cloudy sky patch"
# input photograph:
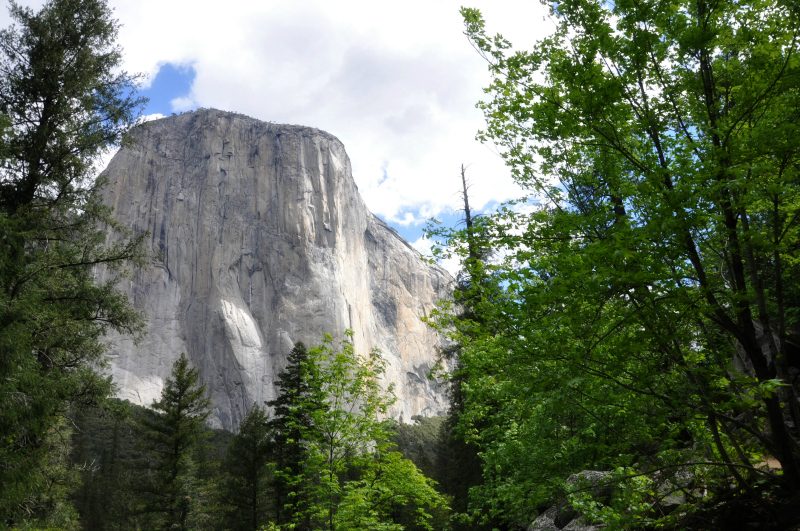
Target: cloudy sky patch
(396, 81)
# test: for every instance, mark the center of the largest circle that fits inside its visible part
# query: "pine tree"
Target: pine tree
(172, 432)
(247, 485)
(48, 507)
(299, 397)
(458, 464)
(63, 103)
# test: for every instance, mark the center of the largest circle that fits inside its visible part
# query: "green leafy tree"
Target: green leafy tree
(389, 493)
(63, 103)
(647, 316)
(355, 477)
(173, 432)
(246, 488)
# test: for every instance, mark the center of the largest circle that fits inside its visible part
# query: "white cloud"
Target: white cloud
(104, 159)
(396, 81)
(151, 117)
(182, 104)
(425, 247)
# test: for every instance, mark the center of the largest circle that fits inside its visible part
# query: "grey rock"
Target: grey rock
(549, 521)
(671, 501)
(593, 480)
(671, 489)
(579, 525)
(592, 477)
(545, 521)
(563, 516)
(262, 239)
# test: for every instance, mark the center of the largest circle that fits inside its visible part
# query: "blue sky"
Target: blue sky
(169, 83)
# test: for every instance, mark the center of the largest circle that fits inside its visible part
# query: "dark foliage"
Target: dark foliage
(108, 451)
(172, 433)
(420, 442)
(63, 103)
(246, 488)
(293, 422)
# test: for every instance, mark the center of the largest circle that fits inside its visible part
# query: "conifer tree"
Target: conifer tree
(458, 465)
(339, 471)
(298, 399)
(63, 103)
(246, 488)
(172, 432)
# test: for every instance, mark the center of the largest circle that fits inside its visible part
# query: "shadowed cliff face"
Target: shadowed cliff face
(262, 240)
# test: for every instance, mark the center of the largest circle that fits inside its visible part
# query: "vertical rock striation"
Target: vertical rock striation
(262, 239)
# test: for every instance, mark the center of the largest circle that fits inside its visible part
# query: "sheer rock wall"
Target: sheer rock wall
(262, 239)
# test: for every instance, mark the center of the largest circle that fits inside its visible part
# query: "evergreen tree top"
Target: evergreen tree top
(180, 414)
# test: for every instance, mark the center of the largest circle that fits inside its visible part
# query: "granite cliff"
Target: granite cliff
(261, 239)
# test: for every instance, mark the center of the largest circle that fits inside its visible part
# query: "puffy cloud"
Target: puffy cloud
(396, 81)
(151, 117)
(425, 247)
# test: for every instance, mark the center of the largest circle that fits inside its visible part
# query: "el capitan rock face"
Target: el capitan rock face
(262, 240)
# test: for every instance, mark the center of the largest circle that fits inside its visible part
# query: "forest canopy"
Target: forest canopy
(640, 314)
